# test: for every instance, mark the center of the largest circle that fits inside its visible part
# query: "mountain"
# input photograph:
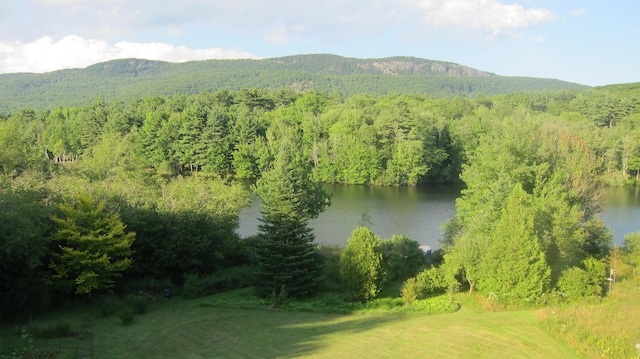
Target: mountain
(127, 79)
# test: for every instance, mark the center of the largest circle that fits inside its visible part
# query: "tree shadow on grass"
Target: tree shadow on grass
(274, 334)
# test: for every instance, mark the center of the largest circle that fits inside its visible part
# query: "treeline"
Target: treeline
(365, 139)
(76, 181)
(123, 80)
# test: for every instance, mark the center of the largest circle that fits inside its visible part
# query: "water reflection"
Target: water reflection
(414, 212)
(622, 211)
(419, 212)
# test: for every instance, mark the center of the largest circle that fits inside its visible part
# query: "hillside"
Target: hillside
(134, 78)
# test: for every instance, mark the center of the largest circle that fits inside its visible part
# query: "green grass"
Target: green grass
(606, 329)
(179, 328)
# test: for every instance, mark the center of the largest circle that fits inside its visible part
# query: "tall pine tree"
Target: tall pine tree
(290, 199)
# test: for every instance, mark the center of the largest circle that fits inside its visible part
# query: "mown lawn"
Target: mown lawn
(180, 328)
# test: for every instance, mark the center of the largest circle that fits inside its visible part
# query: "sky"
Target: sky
(591, 42)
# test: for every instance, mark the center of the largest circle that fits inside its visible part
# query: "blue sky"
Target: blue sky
(592, 42)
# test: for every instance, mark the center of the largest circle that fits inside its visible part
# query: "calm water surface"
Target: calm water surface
(419, 212)
(622, 211)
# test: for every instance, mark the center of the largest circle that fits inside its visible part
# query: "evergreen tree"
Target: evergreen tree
(93, 246)
(290, 199)
(514, 268)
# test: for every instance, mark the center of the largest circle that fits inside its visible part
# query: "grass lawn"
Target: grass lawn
(180, 328)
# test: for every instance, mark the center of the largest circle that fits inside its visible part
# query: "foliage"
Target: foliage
(330, 256)
(164, 164)
(287, 264)
(410, 290)
(576, 283)
(60, 329)
(126, 316)
(631, 250)
(361, 265)
(431, 281)
(93, 246)
(522, 274)
(24, 245)
(196, 286)
(139, 304)
(402, 258)
(607, 329)
(532, 195)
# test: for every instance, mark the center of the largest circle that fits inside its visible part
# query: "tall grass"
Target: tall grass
(609, 329)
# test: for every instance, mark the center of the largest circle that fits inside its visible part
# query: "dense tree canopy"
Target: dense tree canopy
(167, 165)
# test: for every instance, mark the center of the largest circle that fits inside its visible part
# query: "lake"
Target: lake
(419, 212)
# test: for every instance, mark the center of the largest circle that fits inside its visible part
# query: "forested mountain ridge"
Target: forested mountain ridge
(129, 79)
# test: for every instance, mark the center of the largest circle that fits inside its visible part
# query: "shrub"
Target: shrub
(361, 265)
(139, 304)
(109, 306)
(574, 283)
(578, 283)
(431, 281)
(597, 275)
(330, 256)
(148, 286)
(410, 290)
(61, 329)
(402, 258)
(385, 304)
(196, 285)
(126, 316)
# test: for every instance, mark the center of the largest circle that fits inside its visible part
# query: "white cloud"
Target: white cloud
(486, 15)
(538, 39)
(281, 33)
(73, 51)
(579, 12)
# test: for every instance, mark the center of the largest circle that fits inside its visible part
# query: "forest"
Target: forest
(123, 80)
(123, 197)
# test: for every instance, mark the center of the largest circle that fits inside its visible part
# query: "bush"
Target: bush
(402, 258)
(109, 306)
(410, 290)
(597, 275)
(126, 316)
(361, 266)
(226, 279)
(60, 329)
(139, 305)
(148, 286)
(431, 281)
(330, 256)
(385, 304)
(577, 283)
(574, 283)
